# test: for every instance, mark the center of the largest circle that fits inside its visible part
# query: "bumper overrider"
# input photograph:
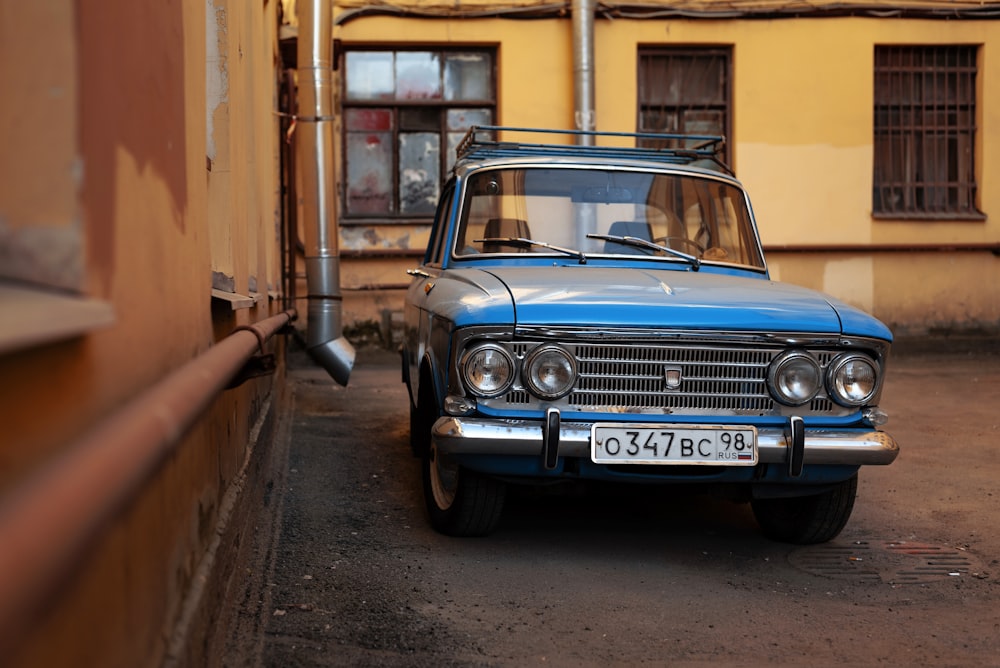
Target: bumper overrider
(793, 445)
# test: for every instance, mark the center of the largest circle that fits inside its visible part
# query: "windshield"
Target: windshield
(603, 212)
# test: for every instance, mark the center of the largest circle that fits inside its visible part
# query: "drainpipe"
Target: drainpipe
(314, 154)
(583, 100)
(583, 69)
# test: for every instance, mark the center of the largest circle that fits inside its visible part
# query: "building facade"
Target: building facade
(149, 180)
(139, 229)
(867, 135)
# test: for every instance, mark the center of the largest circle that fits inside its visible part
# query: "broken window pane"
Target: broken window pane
(419, 172)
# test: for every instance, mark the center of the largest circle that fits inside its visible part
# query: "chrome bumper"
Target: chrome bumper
(455, 435)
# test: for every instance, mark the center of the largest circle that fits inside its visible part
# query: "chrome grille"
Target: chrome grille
(715, 379)
(712, 379)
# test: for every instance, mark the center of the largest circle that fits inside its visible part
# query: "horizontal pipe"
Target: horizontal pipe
(50, 522)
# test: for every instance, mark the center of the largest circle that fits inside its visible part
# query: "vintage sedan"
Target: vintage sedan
(598, 313)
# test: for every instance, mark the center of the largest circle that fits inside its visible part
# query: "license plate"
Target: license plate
(673, 444)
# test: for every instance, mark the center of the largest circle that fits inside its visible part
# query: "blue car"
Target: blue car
(605, 313)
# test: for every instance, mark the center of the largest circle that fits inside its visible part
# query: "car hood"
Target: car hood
(631, 297)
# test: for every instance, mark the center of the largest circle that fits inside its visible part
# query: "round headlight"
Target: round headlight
(549, 372)
(488, 370)
(852, 380)
(794, 378)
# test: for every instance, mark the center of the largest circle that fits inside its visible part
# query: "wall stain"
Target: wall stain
(131, 74)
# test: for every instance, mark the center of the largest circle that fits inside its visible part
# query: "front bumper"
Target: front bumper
(832, 447)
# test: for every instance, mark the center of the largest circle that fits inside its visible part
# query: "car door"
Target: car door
(416, 314)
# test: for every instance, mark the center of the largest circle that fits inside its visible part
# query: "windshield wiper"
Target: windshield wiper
(530, 243)
(636, 242)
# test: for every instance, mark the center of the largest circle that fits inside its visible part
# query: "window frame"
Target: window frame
(439, 230)
(725, 106)
(397, 106)
(907, 133)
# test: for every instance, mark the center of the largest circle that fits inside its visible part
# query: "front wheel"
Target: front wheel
(460, 502)
(421, 422)
(806, 520)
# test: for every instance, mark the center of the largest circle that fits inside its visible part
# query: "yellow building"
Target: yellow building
(139, 230)
(867, 133)
(155, 154)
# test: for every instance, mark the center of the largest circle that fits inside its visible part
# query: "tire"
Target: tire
(460, 502)
(806, 520)
(422, 417)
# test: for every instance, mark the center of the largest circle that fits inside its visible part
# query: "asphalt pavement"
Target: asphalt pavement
(347, 572)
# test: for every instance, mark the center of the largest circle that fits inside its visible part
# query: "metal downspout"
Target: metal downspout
(314, 154)
(583, 100)
(583, 69)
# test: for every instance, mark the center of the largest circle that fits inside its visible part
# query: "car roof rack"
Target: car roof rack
(480, 143)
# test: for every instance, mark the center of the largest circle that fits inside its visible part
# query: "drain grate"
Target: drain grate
(898, 562)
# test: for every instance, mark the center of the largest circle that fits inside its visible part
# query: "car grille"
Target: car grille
(716, 380)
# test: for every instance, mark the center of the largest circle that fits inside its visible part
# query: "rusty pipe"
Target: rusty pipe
(50, 522)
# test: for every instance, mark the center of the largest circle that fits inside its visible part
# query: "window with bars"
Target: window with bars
(685, 90)
(925, 131)
(404, 113)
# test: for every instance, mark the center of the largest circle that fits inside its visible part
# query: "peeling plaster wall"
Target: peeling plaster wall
(140, 153)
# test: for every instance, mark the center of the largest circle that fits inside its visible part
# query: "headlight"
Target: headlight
(488, 370)
(852, 380)
(549, 372)
(794, 377)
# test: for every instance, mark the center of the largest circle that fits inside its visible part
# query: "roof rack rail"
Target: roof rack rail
(480, 142)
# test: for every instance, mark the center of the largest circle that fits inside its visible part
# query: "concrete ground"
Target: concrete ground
(348, 572)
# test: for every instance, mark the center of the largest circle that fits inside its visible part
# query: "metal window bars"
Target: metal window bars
(925, 132)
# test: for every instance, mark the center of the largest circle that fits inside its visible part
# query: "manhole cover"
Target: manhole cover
(898, 562)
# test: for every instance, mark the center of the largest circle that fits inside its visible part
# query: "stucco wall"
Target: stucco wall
(915, 293)
(111, 121)
(802, 143)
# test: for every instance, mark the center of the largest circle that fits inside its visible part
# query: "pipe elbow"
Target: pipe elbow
(325, 341)
(336, 356)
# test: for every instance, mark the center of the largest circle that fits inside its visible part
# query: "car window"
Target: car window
(701, 216)
(438, 231)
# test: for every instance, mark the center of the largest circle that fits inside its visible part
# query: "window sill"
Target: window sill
(237, 301)
(35, 316)
(361, 221)
(963, 217)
